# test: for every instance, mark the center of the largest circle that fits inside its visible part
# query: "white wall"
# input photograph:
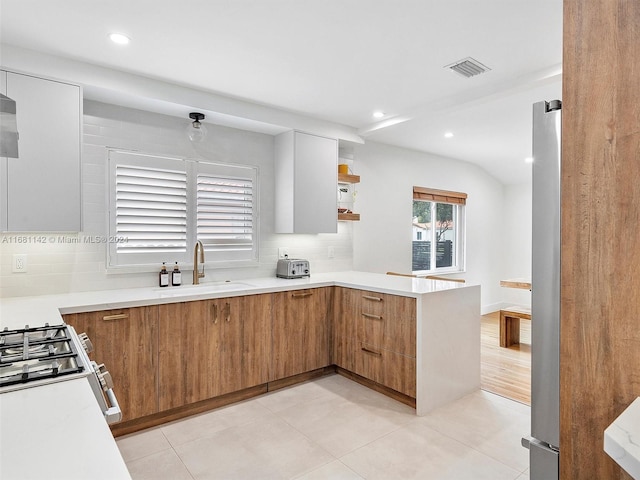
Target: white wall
(517, 244)
(59, 267)
(382, 239)
(498, 217)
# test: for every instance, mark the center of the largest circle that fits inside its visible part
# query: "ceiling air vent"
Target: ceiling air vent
(468, 67)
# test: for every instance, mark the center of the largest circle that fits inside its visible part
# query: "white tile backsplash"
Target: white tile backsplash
(58, 265)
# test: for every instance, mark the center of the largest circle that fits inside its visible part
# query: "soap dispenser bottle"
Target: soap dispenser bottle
(164, 276)
(176, 276)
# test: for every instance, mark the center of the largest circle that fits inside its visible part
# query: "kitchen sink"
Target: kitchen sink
(203, 288)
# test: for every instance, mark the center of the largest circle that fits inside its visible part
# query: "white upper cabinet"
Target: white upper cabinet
(306, 170)
(41, 188)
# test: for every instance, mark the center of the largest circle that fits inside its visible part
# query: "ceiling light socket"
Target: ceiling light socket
(378, 114)
(448, 134)
(196, 131)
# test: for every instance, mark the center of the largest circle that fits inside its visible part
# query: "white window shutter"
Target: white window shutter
(151, 210)
(160, 206)
(225, 212)
(148, 209)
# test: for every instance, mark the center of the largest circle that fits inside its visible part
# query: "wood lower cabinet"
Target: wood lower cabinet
(375, 337)
(345, 328)
(211, 347)
(301, 331)
(387, 368)
(165, 358)
(190, 346)
(126, 342)
(388, 321)
(255, 313)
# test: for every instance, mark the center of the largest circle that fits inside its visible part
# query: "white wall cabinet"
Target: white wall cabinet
(40, 190)
(306, 170)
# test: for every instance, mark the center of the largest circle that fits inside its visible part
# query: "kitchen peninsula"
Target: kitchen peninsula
(446, 326)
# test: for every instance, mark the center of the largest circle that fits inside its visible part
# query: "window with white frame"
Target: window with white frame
(438, 231)
(160, 206)
(225, 211)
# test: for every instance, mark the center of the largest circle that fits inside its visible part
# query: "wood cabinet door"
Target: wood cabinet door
(212, 347)
(345, 324)
(227, 363)
(126, 341)
(189, 350)
(255, 314)
(301, 326)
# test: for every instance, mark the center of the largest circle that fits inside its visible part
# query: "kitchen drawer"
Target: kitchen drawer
(387, 368)
(388, 322)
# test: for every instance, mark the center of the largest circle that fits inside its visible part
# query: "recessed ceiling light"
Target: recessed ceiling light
(528, 160)
(119, 38)
(378, 114)
(448, 134)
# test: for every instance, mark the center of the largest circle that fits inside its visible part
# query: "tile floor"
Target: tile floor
(333, 428)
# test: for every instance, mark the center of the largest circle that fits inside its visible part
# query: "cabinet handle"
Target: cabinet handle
(300, 295)
(214, 313)
(117, 316)
(369, 297)
(370, 315)
(371, 352)
(227, 312)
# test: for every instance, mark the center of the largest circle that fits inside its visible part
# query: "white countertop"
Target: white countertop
(16, 312)
(622, 439)
(58, 431)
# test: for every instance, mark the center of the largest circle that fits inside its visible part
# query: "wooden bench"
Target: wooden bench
(510, 324)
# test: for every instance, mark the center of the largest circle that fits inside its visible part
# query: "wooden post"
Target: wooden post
(600, 312)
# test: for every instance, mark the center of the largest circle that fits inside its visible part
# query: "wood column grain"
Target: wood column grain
(600, 276)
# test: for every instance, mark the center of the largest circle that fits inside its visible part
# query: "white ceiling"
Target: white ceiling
(336, 60)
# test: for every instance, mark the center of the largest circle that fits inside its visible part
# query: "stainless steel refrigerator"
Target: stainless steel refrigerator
(544, 441)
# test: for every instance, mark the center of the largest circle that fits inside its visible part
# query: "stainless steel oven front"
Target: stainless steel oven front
(34, 356)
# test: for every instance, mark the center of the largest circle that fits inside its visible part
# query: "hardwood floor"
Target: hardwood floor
(505, 371)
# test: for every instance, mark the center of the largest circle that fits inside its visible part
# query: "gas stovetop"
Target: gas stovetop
(37, 355)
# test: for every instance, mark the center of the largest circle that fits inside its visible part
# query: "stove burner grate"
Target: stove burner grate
(38, 353)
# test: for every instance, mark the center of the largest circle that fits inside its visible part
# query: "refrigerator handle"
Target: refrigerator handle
(529, 442)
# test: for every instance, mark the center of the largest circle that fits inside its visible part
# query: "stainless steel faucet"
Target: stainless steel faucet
(197, 275)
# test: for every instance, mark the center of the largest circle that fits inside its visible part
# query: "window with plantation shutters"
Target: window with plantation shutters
(224, 217)
(151, 210)
(225, 210)
(160, 206)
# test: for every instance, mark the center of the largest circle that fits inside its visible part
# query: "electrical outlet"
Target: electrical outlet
(283, 252)
(331, 252)
(19, 263)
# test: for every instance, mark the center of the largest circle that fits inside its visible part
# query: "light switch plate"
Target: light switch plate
(331, 252)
